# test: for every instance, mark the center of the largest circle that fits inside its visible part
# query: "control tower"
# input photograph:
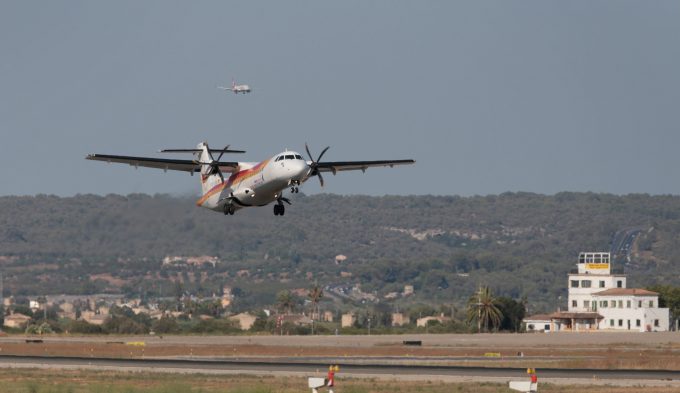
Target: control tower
(593, 274)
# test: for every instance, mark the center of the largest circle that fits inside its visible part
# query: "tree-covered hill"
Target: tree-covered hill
(520, 244)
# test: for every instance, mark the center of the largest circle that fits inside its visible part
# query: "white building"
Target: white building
(594, 288)
(598, 300)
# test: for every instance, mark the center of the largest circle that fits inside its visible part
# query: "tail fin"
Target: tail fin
(209, 177)
(233, 83)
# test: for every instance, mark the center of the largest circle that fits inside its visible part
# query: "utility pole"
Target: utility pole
(2, 297)
(479, 309)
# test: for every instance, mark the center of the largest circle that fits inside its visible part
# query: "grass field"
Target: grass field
(78, 381)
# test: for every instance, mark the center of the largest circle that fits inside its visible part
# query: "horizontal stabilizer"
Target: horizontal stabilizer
(199, 150)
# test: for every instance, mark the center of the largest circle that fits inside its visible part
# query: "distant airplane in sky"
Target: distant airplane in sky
(236, 88)
(250, 184)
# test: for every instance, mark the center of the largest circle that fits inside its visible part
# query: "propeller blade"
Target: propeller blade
(311, 158)
(223, 151)
(320, 178)
(322, 153)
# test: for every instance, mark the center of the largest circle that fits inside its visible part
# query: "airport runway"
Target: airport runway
(366, 368)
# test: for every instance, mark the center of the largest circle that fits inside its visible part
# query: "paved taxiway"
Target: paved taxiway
(368, 368)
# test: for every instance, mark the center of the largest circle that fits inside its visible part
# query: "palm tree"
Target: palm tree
(482, 308)
(315, 294)
(285, 301)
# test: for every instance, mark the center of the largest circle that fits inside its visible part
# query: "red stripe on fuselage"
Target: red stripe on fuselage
(236, 177)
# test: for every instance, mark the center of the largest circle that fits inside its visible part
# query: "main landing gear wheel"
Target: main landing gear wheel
(229, 209)
(279, 210)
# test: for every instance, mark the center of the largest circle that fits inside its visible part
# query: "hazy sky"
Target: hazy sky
(487, 96)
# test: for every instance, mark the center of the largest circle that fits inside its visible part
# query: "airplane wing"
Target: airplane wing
(161, 163)
(224, 88)
(334, 166)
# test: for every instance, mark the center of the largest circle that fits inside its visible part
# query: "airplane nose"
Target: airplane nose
(301, 170)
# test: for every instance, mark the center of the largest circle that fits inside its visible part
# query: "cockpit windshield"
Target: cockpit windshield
(289, 157)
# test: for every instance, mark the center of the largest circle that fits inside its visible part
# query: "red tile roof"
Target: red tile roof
(575, 315)
(626, 291)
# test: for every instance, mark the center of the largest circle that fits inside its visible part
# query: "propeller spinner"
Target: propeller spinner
(315, 164)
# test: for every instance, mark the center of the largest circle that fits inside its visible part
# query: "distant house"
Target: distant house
(348, 320)
(398, 319)
(538, 323)
(245, 320)
(422, 322)
(16, 320)
(93, 318)
(408, 290)
(328, 316)
(297, 319)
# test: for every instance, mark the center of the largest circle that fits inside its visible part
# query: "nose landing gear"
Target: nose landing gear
(294, 186)
(229, 209)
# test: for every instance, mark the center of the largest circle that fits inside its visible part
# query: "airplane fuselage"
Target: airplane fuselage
(255, 184)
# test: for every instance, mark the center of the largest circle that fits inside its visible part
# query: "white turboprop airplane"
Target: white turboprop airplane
(250, 183)
(236, 88)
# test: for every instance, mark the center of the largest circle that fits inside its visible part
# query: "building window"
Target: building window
(574, 304)
(531, 326)
(611, 322)
(586, 303)
(637, 322)
(603, 304)
(574, 283)
(619, 284)
(585, 283)
(620, 303)
(639, 303)
(601, 284)
(656, 322)
(651, 304)
(620, 322)
(627, 303)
